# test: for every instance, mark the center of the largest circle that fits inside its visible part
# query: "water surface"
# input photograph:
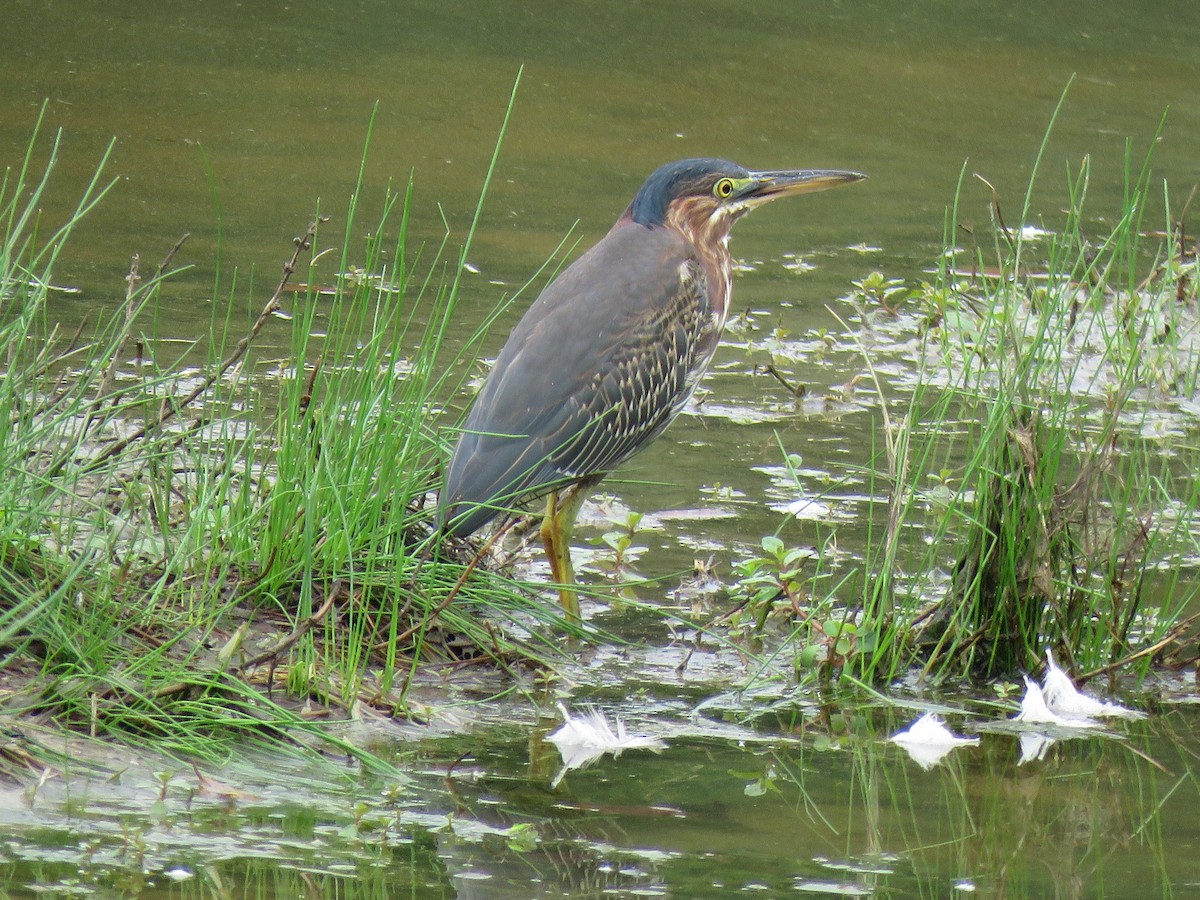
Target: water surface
(235, 122)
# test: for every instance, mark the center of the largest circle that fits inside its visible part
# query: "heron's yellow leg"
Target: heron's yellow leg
(558, 525)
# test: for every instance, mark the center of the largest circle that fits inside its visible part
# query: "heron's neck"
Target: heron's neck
(709, 238)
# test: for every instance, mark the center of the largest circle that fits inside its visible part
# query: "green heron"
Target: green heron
(609, 353)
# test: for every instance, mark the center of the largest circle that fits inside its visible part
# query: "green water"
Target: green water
(236, 122)
(810, 802)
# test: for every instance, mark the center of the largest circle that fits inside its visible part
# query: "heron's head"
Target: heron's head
(704, 197)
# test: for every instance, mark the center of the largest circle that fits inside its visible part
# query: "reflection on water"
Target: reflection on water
(235, 124)
(808, 798)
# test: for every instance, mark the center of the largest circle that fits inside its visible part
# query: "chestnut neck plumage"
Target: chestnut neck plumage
(706, 224)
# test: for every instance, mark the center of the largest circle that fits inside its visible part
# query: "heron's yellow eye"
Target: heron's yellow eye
(723, 188)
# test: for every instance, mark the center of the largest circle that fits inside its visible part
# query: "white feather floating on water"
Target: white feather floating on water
(1058, 702)
(1036, 711)
(1065, 699)
(583, 739)
(930, 730)
(928, 740)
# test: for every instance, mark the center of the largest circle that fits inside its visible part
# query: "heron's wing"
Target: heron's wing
(598, 366)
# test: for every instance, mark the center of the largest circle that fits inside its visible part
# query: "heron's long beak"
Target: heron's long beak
(764, 186)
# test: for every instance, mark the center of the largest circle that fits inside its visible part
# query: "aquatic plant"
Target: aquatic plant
(189, 554)
(1039, 482)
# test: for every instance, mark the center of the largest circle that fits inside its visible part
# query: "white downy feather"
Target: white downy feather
(1064, 699)
(1035, 710)
(583, 739)
(928, 740)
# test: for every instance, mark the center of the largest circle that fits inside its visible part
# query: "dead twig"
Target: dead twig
(453, 592)
(169, 410)
(1169, 638)
(284, 644)
(133, 288)
(996, 211)
(798, 391)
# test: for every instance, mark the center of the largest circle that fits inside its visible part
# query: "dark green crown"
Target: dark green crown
(679, 179)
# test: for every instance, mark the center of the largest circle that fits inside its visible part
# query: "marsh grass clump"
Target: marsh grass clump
(1059, 377)
(188, 553)
(1036, 453)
